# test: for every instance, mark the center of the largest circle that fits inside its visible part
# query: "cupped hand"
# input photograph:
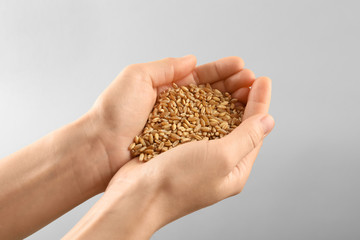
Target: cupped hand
(197, 174)
(121, 111)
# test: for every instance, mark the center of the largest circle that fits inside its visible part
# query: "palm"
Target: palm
(127, 103)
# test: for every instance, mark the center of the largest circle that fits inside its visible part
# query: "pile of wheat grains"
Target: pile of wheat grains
(184, 114)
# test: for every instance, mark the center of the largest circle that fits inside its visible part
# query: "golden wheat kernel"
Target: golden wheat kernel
(174, 136)
(192, 119)
(190, 125)
(222, 114)
(205, 129)
(213, 120)
(224, 125)
(138, 146)
(206, 119)
(141, 140)
(149, 151)
(132, 145)
(213, 124)
(167, 127)
(208, 110)
(184, 140)
(197, 137)
(142, 149)
(184, 88)
(197, 128)
(164, 122)
(161, 145)
(202, 122)
(175, 143)
(141, 158)
(168, 143)
(216, 99)
(156, 119)
(217, 92)
(226, 118)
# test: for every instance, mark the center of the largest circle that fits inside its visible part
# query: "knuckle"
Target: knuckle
(169, 59)
(132, 68)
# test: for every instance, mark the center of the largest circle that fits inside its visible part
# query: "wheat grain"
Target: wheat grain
(184, 114)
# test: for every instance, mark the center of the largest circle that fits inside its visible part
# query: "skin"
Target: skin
(48, 178)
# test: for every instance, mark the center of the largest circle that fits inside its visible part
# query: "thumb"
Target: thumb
(248, 136)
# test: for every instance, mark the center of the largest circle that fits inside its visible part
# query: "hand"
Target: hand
(142, 197)
(122, 110)
(198, 174)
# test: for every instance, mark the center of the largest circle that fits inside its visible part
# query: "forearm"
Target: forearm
(133, 213)
(49, 177)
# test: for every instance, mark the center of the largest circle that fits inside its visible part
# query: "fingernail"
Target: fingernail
(267, 124)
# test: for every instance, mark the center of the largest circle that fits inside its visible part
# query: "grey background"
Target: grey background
(56, 57)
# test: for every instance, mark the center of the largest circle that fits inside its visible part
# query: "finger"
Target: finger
(218, 70)
(246, 137)
(213, 72)
(238, 85)
(167, 70)
(242, 79)
(242, 95)
(258, 103)
(259, 97)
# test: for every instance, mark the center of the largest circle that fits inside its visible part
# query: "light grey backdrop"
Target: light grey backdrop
(57, 56)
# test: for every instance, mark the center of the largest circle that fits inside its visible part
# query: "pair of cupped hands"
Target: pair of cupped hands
(191, 176)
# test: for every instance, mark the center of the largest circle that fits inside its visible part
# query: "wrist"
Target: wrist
(89, 157)
(128, 209)
(138, 204)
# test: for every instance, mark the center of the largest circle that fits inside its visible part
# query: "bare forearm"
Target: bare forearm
(132, 213)
(49, 177)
